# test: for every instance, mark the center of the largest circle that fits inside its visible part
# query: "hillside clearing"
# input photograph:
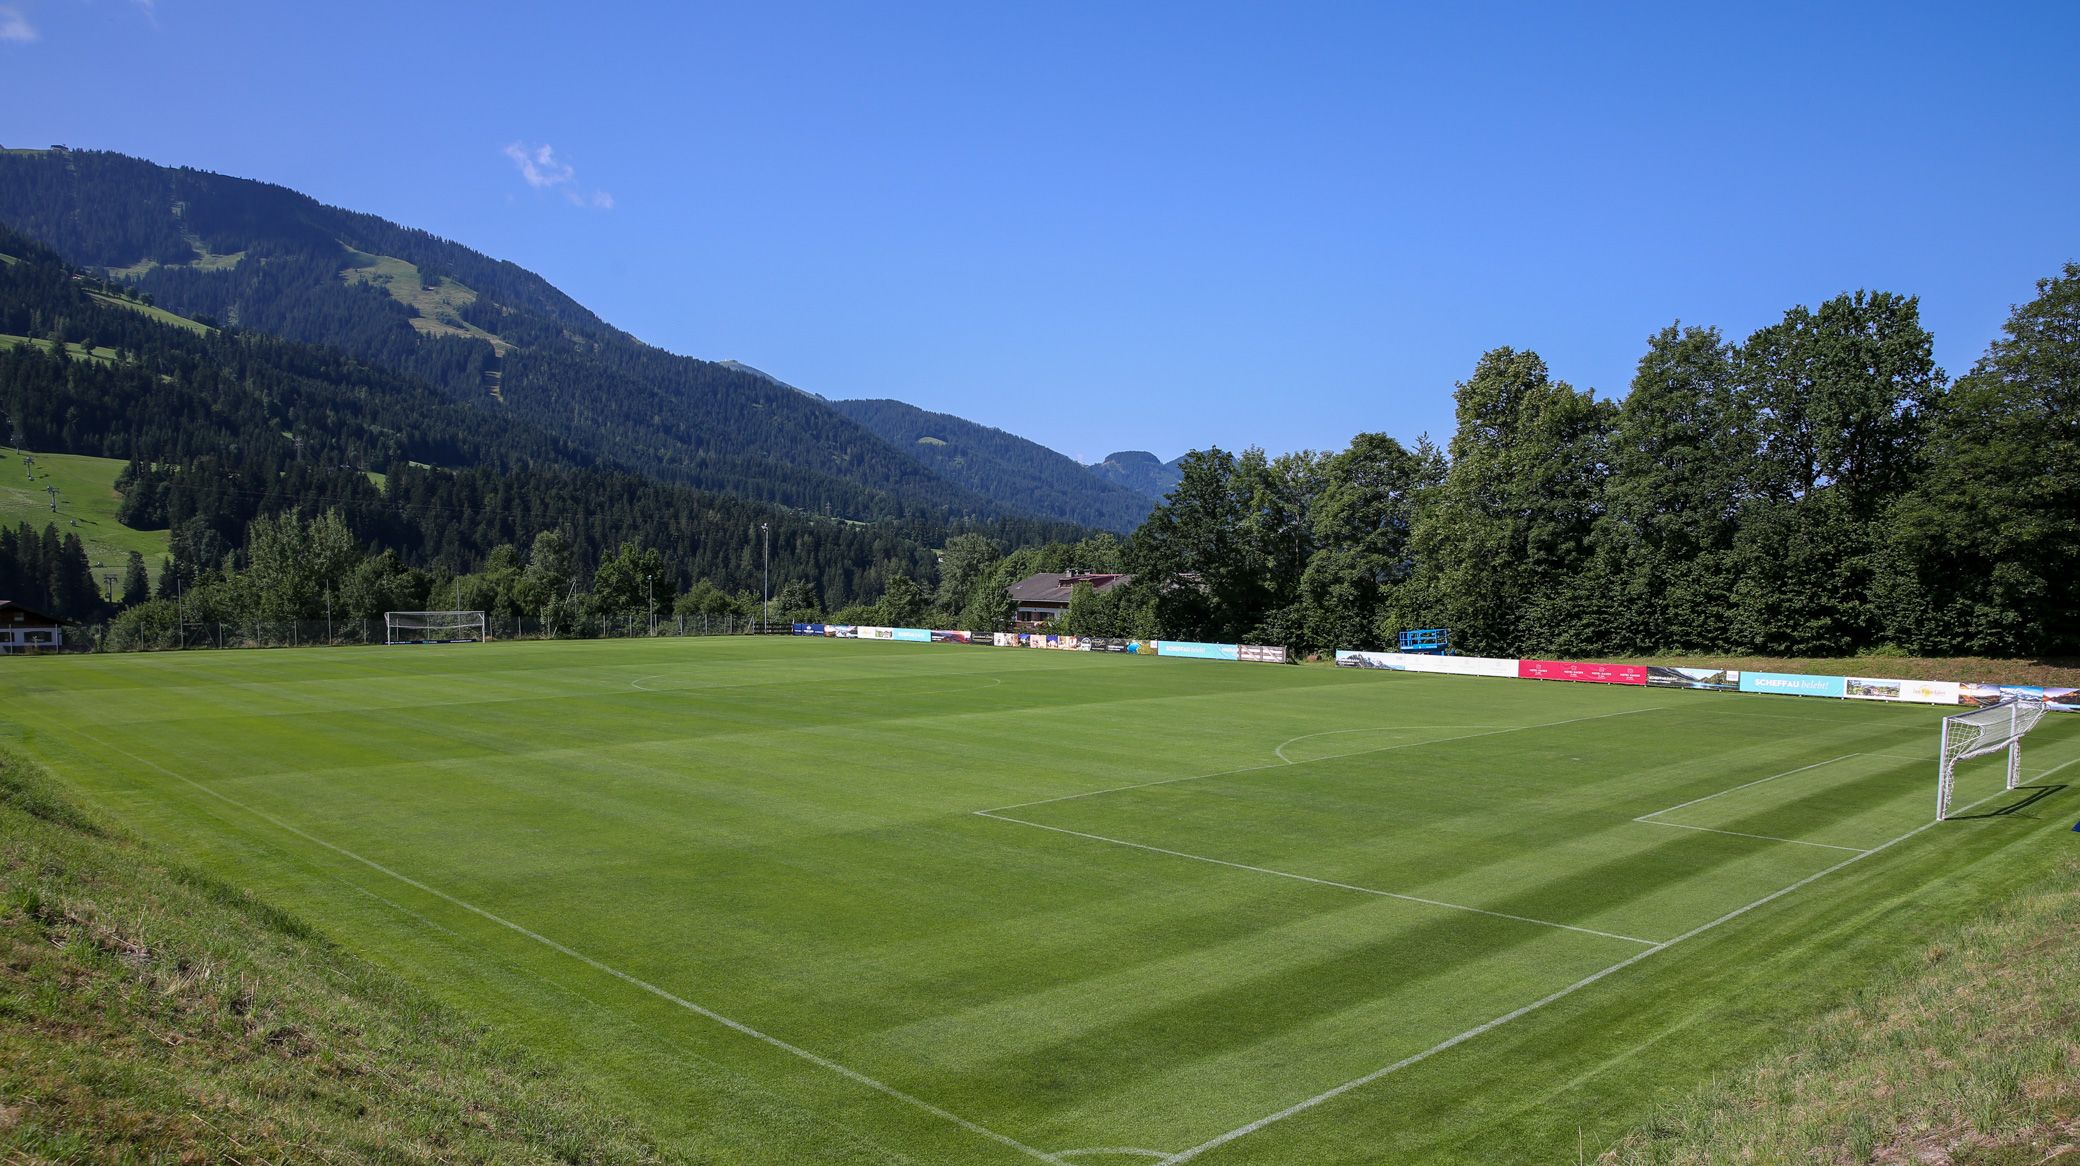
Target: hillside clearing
(86, 493)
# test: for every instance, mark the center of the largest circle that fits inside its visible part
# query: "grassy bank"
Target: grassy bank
(151, 1015)
(1969, 669)
(1969, 1055)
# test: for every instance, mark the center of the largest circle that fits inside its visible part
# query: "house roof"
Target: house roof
(12, 612)
(1055, 586)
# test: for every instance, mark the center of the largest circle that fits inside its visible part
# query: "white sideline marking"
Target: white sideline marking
(1286, 874)
(1283, 762)
(2054, 769)
(1112, 1150)
(597, 965)
(1535, 1005)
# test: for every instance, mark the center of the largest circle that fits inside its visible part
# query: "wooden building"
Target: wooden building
(24, 629)
(1041, 598)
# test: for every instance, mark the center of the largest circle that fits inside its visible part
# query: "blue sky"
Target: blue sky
(1111, 226)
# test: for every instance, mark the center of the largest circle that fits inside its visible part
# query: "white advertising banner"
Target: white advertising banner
(1916, 691)
(1424, 662)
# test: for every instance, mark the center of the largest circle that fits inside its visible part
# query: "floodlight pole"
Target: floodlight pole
(650, 600)
(765, 611)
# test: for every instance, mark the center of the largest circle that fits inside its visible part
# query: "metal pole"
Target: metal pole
(765, 611)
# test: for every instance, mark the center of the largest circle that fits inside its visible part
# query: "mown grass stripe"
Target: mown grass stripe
(596, 964)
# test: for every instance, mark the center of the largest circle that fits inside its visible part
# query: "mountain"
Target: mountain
(219, 427)
(483, 333)
(1142, 472)
(997, 464)
(760, 373)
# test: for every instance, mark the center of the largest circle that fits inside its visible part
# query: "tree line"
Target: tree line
(1819, 488)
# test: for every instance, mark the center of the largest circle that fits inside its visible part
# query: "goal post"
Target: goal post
(433, 627)
(1980, 732)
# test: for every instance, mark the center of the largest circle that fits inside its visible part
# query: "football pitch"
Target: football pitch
(798, 900)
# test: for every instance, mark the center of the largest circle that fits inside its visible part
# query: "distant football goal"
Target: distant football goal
(1980, 732)
(434, 627)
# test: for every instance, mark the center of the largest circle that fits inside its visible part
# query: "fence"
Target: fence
(343, 632)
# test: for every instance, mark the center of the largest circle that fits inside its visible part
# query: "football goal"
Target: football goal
(1983, 731)
(434, 627)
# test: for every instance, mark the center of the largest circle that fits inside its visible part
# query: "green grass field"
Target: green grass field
(823, 901)
(87, 492)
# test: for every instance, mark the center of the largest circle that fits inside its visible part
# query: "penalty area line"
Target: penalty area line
(1283, 761)
(737, 1026)
(1592, 978)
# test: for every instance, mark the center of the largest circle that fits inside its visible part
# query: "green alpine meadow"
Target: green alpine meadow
(789, 900)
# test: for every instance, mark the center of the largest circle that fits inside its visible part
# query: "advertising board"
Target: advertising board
(1794, 684)
(1582, 673)
(1260, 654)
(2058, 699)
(1195, 651)
(1716, 679)
(911, 635)
(940, 636)
(1419, 662)
(1915, 691)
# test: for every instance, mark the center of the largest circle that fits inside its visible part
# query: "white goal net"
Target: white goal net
(434, 627)
(1983, 731)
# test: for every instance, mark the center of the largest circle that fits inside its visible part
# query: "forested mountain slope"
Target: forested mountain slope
(223, 426)
(482, 332)
(1001, 465)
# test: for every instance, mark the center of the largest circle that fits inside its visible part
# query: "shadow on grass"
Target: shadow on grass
(2037, 794)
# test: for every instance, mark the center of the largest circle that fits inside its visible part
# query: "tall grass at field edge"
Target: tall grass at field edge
(1970, 1055)
(151, 1014)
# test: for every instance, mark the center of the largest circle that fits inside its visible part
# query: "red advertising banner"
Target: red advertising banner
(1586, 673)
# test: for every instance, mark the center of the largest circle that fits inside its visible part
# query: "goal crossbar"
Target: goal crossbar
(1980, 732)
(433, 627)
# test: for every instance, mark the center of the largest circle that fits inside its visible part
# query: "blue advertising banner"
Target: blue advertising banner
(1792, 684)
(912, 635)
(1198, 651)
